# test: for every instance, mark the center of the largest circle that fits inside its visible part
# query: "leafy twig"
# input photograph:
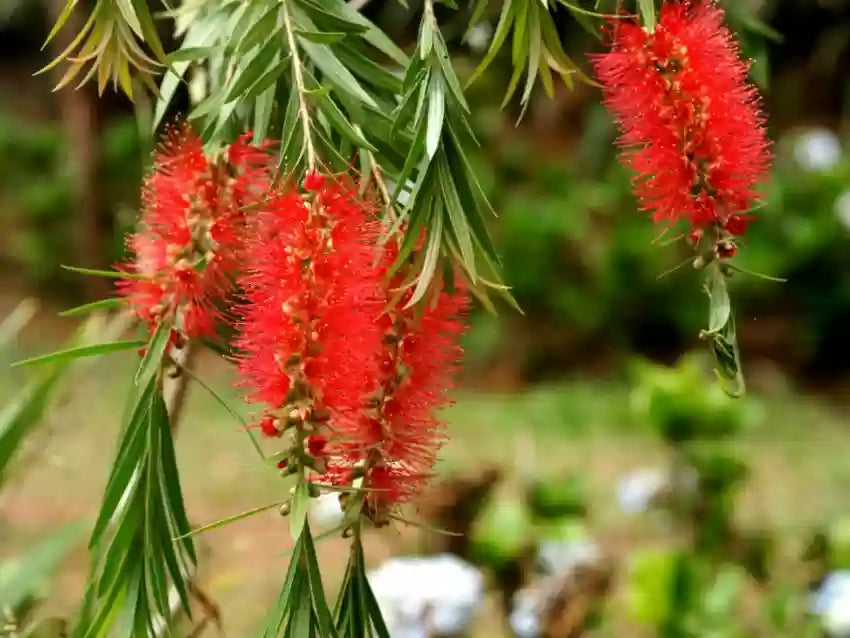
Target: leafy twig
(298, 81)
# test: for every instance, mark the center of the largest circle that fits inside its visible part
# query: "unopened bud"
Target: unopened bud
(285, 509)
(726, 249)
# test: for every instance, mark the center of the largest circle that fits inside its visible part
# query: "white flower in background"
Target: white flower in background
(421, 596)
(636, 491)
(478, 37)
(832, 603)
(528, 607)
(559, 561)
(558, 557)
(325, 512)
(817, 149)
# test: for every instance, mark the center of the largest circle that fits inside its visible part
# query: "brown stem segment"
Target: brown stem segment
(175, 384)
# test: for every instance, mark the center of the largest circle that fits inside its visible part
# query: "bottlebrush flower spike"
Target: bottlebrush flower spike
(189, 242)
(309, 329)
(399, 434)
(691, 126)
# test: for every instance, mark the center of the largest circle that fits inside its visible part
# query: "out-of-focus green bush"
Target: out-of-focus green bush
(38, 213)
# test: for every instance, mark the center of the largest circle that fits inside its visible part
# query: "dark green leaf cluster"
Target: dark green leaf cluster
(301, 610)
(138, 570)
(357, 613)
(536, 46)
(439, 195)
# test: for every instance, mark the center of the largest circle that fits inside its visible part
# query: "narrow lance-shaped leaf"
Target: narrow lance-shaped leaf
(647, 12)
(80, 351)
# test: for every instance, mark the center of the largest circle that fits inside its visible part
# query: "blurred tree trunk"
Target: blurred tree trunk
(81, 127)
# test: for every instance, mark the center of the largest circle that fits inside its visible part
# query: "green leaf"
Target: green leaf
(262, 31)
(190, 54)
(724, 347)
(94, 306)
(535, 46)
(262, 66)
(116, 274)
(333, 70)
(130, 450)
(22, 414)
(22, 577)
(368, 70)
(80, 351)
(558, 58)
(199, 34)
(503, 29)
(263, 106)
(152, 360)
(436, 113)
(135, 562)
(230, 519)
(372, 607)
(414, 75)
(432, 255)
(342, 125)
(457, 218)
(426, 38)
(322, 37)
(647, 12)
(125, 7)
(321, 613)
(719, 302)
(357, 612)
(301, 610)
(299, 505)
(345, 17)
(449, 74)
(60, 21)
(151, 35)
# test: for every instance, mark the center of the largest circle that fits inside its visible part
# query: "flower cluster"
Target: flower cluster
(308, 333)
(416, 364)
(691, 126)
(190, 234)
(355, 377)
(326, 341)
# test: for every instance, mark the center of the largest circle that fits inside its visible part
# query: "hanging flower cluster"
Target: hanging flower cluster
(190, 234)
(326, 343)
(354, 377)
(691, 126)
(398, 432)
(308, 328)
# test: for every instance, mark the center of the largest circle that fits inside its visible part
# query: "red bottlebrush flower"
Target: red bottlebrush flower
(691, 126)
(190, 237)
(398, 437)
(308, 327)
(314, 181)
(268, 426)
(316, 444)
